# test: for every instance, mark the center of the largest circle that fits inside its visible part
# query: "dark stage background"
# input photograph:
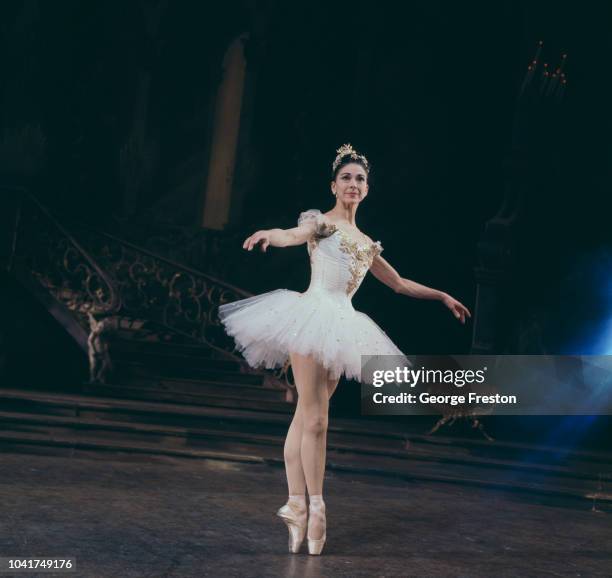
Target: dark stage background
(427, 90)
(159, 134)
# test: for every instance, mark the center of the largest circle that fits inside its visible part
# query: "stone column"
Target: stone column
(225, 134)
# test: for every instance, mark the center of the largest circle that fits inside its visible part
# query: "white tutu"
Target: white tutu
(321, 322)
(268, 327)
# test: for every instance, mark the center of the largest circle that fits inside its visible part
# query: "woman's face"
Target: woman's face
(351, 184)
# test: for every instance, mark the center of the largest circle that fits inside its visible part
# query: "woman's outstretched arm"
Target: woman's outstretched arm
(385, 273)
(280, 237)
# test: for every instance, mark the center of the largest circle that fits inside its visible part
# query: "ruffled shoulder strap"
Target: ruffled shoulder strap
(321, 226)
(310, 216)
(377, 248)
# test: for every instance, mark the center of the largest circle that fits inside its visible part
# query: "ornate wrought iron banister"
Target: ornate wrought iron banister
(47, 257)
(107, 283)
(179, 298)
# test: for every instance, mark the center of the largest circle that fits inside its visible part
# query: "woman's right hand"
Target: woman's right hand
(262, 237)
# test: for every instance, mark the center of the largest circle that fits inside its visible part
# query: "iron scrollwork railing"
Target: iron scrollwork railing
(107, 284)
(52, 264)
(180, 299)
(45, 252)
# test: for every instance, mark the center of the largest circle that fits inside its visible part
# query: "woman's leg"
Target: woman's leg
(296, 481)
(293, 459)
(314, 390)
(331, 386)
(311, 380)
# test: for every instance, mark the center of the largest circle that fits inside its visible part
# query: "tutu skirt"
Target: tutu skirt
(325, 325)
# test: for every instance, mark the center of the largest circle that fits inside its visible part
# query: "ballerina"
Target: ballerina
(320, 332)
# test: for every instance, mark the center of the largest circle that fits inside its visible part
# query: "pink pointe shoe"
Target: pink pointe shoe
(296, 524)
(316, 514)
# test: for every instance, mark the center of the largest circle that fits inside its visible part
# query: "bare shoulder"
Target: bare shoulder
(365, 237)
(350, 230)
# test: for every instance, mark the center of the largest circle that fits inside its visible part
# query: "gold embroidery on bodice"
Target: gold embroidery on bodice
(361, 255)
(361, 258)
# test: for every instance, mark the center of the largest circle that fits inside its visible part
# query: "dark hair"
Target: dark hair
(348, 160)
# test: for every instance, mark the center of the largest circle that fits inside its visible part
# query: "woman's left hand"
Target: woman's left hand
(459, 310)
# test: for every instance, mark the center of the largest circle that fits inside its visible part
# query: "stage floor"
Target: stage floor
(122, 515)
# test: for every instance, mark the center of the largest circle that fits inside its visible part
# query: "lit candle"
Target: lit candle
(544, 80)
(557, 76)
(554, 79)
(531, 69)
(561, 88)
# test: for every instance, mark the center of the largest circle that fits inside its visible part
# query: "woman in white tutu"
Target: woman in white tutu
(320, 332)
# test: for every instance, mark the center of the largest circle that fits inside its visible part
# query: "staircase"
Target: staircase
(42, 422)
(176, 389)
(187, 374)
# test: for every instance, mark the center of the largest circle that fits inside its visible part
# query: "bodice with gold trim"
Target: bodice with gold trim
(339, 261)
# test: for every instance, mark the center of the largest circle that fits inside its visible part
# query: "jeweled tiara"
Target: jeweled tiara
(347, 149)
